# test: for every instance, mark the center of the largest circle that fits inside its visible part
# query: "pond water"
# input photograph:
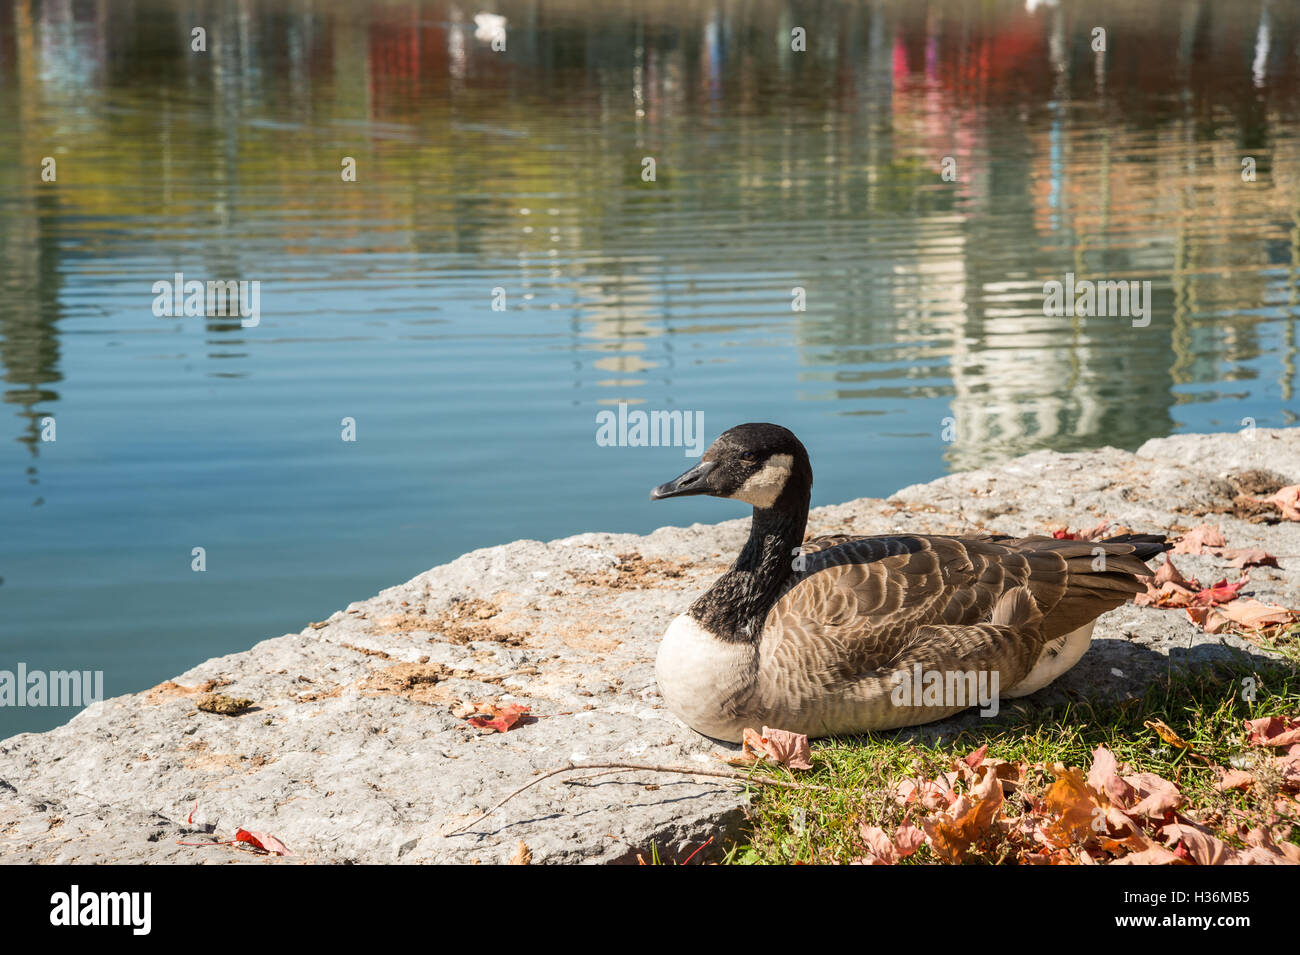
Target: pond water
(851, 239)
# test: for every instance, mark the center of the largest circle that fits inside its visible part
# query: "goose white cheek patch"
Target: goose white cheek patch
(762, 489)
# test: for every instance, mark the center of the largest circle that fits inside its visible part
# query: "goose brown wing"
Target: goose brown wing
(866, 604)
(857, 600)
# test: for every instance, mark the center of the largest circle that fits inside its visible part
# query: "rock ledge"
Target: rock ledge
(356, 749)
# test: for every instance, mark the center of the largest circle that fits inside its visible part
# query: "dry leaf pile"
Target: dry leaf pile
(1214, 609)
(990, 810)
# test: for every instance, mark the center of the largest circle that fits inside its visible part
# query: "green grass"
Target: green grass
(1206, 708)
(1283, 640)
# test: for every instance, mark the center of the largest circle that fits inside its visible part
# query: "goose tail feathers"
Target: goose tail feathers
(1145, 546)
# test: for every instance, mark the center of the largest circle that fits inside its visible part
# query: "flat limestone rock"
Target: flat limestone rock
(356, 747)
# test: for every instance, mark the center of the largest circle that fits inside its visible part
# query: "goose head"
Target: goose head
(761, 464)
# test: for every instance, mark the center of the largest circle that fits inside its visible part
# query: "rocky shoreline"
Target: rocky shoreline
(355, 747)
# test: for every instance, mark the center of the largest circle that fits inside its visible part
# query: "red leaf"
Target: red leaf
(1220, 593)
(499, 717)
(263, 841)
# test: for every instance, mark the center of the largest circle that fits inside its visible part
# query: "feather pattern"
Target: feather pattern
(865, 609)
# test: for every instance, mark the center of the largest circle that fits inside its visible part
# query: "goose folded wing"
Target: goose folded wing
(873, 604)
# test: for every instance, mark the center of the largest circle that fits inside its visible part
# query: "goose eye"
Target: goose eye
(749, 456)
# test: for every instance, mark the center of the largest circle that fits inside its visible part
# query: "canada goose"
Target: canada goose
(816, 636)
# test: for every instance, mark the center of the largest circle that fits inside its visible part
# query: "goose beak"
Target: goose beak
(692, 482)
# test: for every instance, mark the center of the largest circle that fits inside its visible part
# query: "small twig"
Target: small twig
(583, 780)
(685, 770)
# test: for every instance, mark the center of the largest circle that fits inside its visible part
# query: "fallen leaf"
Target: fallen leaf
(1168, 596)
(498, 716)
(1138, 794)
(880, 848)
(782, 746)
(1247, 616)
(1289, 766)
(1157, 796)
(1104, 777)
(952, 832)
(1273, 731)
(929, 793)
(1258, 855)
(1092, 533)
(1167, 587)
(1199, 540)
(907, 839)
(1207, 849)
(263, 841)
(1250, 614)
(1202, 848)
(1166, 733)
(1154, 855)
(1234, 779)
(1287, 500)
(523, 855)
(1075, 805)
(1167, 573)
(1244, 557)
(1220, 593)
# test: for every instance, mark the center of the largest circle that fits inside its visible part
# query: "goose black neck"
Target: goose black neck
(736, 606)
